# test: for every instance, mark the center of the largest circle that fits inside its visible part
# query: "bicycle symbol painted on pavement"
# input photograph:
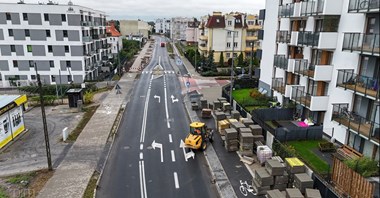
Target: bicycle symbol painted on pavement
(245, 188)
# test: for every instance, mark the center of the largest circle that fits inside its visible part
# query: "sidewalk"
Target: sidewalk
(73, 174)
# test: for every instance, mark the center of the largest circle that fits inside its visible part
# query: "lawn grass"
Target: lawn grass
(305, 151)
(241, 95)
(89, 111)
(22, 177)
(89, 192)
(169, 47)
(3, 193)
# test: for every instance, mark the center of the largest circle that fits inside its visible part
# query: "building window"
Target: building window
(51, 63)
(235, 44)
(31, 63)
(228, 45)
(13, 48)
(46, 17)
(25, 16)
(50, 48)
(52, 78)
(229, 23)
(67, 48)
(48, 33)
(29, 48)
(229, 34)
(63, 16)
(64, 33)
(10, 32)
(8, 16)
(27, 32)
(15, 63)
(33, 77)
(68, 64)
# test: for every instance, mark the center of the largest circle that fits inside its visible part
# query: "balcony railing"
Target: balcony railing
(367, 86)
(86, 23)
(364, 43)
(286, 10)
(312, 102)
(280, 61)
(364, 6)
(95, 36)
(300, 96)
(312, 7)
(308, 38)
(354, 122)
(278, 85)
(283, 36)
(87, 39)
(300, 66)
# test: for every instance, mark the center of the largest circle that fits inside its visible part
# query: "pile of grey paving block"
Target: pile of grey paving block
(217, 105)
(235, 114)
(246, 143)
(231, 140)
(275, 194)
(204, 104)
(222, 100)
(312, 193)
(247, 122)
(256, 129)
(220, 115)
(237, 125)
(262, 181)
(278, 171)
(303, 181)
(293, 193)
(194, 106)
(226, 106)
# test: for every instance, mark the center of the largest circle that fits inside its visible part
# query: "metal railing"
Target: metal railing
(280, 61)
(300, 66)
(368, 86)
(361, 125)
(283, 36)
(286, 10)
(87, 39)
(363, 5)
(278, 85)
(312, 7)
(86, 23)
(364, 43)
(300, 96)
(308, 38)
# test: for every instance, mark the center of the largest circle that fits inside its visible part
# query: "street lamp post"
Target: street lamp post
(46, 134)
(251, 63)
(232, 65)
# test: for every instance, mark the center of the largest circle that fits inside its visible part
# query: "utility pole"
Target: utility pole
(60, 86)
(118, 59)
(232, 65)
(251, 63)
(47, 145)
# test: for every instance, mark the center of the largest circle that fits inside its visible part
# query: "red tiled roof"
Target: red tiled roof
(216, 22)
(112, 31)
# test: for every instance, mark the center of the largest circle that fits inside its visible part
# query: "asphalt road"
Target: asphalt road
(146, 159)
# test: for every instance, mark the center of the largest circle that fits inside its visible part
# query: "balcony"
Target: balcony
(254, 27)
(300, 65)
(280, 61)
(86, 23)
(251, 38)
(203, 47)
(321, 7)
(320, 40)
(362, 85)
(366, 128)
(316, 72)
(364, 6)
(106, 46)
(283, 36)
(363, 43)
(286, 10)
(86, 39)
(249, 49)
(203, 38)
(278, 85)
(95, 36)
(313, 103)
(293, 38)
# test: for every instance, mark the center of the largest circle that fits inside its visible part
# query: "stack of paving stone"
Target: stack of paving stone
(246, 143)
(312, 193)
(231, 139)
(262, 181)
(204, 104)
(222, 100)
(256, 129)
(232, 120)
(247, 122)
(226, 106)
(303, 181)
(237, 125)
(220, 115)
(235, 114)
(293, 193)
(217, 105)
(277, 170)
(222, 126)
(194, 106)
(293, 166)
(275, 194)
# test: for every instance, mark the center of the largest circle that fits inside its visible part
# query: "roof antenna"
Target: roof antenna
(70, 9)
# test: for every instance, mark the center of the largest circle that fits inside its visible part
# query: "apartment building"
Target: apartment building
(324, 56)
(135, 29)
(114, 38)
(192, 32)
(178, 27)
(162, 26)
(65, 42)
(231, 34)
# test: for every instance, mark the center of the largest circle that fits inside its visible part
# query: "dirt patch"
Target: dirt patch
(24, 185)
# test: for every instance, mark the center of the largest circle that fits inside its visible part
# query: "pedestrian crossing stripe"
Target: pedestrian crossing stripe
(166, 72)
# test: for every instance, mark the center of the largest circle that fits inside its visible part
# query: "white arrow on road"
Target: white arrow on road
(174, 99)
(187, 155)
(158, 145)
(159, 98)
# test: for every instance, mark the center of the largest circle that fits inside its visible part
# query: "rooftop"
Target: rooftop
(6, 99)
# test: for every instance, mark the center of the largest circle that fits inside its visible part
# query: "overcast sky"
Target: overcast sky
(153, 9)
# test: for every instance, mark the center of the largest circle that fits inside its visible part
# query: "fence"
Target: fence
(350, 182)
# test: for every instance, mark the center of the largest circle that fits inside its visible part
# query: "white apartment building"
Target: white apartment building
(114, 38)
(162, 26)
(324, 55)
(178, 27)
(66, 42)
(192, 32)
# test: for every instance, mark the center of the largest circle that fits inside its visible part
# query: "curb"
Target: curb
(223, 185)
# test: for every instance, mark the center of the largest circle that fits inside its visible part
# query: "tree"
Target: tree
(240, 60)
(221, 60)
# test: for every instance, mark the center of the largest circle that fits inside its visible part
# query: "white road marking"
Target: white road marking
(173, 156)
(141, 146)
(143, 173)
(176, 183)
(170, 138)
(142, 179)
(166, 106)
(141, 156)
(145, 115)
(158, 145)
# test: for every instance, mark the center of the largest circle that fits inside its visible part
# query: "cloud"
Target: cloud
(152, 9)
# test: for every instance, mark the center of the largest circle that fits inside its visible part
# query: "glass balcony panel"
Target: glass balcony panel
(280, 61)
(283, 37)
(364, 43)
(278, 85)
(364, 6)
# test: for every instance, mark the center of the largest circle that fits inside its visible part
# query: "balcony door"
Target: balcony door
(371, 26)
